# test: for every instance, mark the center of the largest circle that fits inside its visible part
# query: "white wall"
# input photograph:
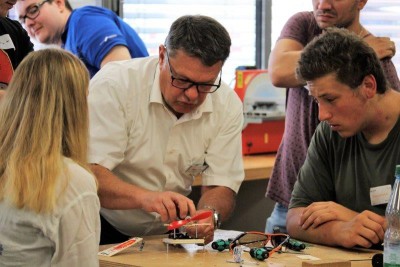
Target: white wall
(282, 11)
(80, 3)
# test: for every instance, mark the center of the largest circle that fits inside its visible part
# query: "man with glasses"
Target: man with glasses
(158, 122)
(14, 44)
(96, 35)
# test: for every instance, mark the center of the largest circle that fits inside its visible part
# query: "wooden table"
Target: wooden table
(155, 254)
(255, 167)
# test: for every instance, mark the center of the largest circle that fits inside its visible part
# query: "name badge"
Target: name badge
(380, 194)
(6, 42)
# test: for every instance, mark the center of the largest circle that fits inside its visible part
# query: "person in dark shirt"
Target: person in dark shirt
(341, 192)
(301, 111)
(14, 44)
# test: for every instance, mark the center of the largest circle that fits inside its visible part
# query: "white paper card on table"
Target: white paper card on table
(120, 247)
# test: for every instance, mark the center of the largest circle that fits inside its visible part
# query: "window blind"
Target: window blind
(381, 18)
(152, 19)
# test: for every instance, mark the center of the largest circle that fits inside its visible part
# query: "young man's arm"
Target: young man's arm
(363, 229)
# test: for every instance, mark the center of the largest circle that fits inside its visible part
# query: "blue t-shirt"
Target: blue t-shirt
(91, 32)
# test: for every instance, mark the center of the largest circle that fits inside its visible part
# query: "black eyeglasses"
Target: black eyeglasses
(185, 84)
(260, 240)
(32, 12)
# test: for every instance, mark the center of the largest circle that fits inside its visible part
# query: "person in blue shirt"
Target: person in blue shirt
(96, 35)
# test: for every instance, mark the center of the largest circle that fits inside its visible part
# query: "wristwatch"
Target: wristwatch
(216, 217)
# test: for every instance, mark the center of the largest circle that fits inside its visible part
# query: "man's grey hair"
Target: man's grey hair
(199, 36)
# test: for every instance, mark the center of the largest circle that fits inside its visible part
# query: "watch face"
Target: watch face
(217, 220)
(216, 217)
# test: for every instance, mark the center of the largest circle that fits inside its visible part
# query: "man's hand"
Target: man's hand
(203, 231)
(321, 212)
(219, 198)
(383, 46)
(365, 229)
(167, 204)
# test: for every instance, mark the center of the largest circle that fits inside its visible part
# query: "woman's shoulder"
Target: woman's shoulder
(79, 177)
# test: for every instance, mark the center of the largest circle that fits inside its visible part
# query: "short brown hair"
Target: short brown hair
(343, 53)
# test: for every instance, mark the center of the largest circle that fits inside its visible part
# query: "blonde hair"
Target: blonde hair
(43, 118)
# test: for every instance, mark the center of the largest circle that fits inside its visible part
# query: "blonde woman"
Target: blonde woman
(49, 209)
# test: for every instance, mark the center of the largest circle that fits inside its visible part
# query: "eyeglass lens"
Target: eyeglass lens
(254, 240)
(186, 84)
(33, 12)
(260, 239)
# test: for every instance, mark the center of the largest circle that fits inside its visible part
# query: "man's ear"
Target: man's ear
(161, 54)
(60, 4)
(361, 4)
(368, 86)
